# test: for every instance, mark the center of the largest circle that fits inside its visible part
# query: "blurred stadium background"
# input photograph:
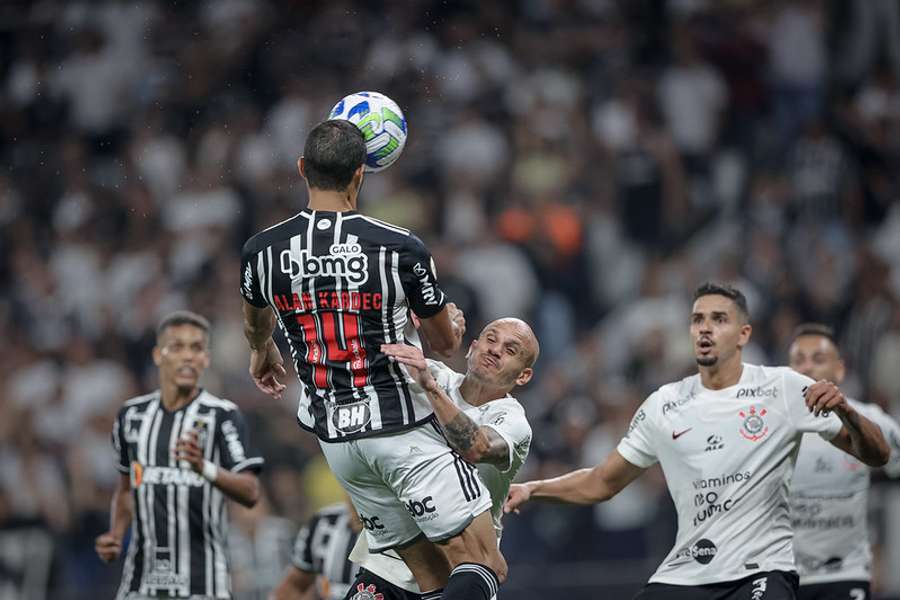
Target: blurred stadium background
(580, 163)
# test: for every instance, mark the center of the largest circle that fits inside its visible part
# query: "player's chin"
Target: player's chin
(707, 360)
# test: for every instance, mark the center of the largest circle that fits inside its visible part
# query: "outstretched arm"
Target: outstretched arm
(859, 436)
(584, 486)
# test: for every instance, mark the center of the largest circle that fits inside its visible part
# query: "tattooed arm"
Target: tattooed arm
(475, 444)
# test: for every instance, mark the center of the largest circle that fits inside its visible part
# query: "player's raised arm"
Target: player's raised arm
(859, 436)
(442, 323)
(584, 486)
(444, 331)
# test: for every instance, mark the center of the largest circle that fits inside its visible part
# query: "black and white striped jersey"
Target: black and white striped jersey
(178, 530)
(341, 285)
(323, 547)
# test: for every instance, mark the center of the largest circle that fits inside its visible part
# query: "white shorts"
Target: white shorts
(407, 484)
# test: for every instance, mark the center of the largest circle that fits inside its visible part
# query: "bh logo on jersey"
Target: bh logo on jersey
(350, 418)
(754, 427)
(345, 261)
(364, 592)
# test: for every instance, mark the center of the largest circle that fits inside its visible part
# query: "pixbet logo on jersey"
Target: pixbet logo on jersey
(346, 261)
(754, 427)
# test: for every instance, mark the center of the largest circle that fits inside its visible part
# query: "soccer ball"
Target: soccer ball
(382, 124)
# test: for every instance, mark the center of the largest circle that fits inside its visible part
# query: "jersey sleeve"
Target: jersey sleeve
(511, 425)
(251, 285)
(302, 557)
(638, 445)
(235, 452)
(891, 431)
(419, 278)
(120, 447)
(795, 386)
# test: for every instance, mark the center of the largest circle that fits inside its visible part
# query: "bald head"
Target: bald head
(523, 332)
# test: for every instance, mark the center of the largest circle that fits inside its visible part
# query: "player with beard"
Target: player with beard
(829, 491)
(726, 439)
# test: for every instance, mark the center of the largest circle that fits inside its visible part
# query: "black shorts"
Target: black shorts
(367, 584)
(770, 585)
(838, 590)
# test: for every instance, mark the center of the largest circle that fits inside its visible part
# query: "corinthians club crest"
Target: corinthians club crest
(754, 427)
(364, 592)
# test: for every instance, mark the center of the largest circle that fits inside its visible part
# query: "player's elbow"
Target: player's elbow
(881, 456)
(251, 494)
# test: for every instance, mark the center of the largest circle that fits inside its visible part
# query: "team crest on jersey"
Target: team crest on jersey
(754, 427)
(364, 592)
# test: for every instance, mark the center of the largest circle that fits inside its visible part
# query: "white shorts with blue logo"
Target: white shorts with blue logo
(407, 484)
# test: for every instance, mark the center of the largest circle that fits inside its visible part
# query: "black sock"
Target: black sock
(471, 581)
(432, 595)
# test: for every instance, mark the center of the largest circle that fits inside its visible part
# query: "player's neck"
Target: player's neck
(476, 393)
(174, 398)
(332, 201)
(723, 375)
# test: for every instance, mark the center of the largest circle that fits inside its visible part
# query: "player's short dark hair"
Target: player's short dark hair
(723, 289)
(334, 150)
(182, 317)
(818, 329)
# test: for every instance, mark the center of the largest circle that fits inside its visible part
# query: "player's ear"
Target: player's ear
(746, 332)
(471, 348)
(157, 355)
(525, 376)
(301, 166)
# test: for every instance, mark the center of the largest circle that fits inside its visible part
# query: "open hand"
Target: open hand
(413, 361)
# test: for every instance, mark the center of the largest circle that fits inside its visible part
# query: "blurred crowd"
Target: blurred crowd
(582, 164)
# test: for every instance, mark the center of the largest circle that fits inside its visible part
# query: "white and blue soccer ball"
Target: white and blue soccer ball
(382, 124)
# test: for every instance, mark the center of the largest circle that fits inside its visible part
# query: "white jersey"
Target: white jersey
(505, 416)
(829, 504)
(728, 456)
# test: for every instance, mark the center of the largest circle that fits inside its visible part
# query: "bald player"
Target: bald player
(482, 422)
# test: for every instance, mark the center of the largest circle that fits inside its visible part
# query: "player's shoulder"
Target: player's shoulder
(374, 224)
(276, 232)
(139, 402)
(212, 401)
(667, 392)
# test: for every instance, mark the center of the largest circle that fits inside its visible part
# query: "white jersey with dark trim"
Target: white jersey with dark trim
(829, 506)
(323, 547)
(505, 416)
(341, 285)
(727, 456)
(179, 526)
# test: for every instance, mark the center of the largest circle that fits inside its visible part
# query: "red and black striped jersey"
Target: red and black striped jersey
(342, 284)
